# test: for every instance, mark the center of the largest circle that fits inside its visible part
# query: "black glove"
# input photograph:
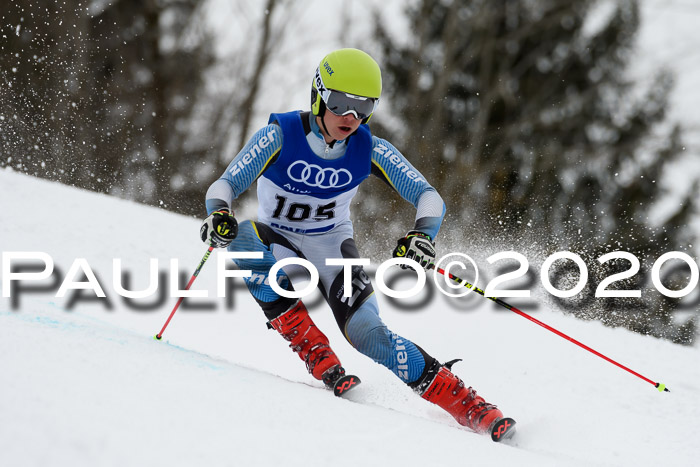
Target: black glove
(219, 229)
(418, 247)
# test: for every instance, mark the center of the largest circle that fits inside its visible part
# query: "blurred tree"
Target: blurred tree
(236, 85)
(126, 97)
(98, 95)
(522, 116)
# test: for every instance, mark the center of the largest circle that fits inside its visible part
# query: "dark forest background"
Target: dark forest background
(524, 119)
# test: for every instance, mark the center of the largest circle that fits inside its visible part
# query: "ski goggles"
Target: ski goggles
(341, 103)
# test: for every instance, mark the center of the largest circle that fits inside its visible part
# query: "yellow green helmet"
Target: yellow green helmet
(347, 81)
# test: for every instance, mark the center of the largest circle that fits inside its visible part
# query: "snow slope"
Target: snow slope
(82, 382)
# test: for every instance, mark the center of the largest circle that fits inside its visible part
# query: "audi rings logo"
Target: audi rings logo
(316, 176)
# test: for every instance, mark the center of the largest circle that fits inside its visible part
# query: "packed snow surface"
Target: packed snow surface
(83, 383)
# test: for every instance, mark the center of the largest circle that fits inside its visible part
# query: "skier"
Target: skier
(308, 166)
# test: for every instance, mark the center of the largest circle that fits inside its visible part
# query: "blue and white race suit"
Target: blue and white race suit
(304, 189)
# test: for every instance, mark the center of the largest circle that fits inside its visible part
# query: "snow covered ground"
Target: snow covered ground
(82, 382)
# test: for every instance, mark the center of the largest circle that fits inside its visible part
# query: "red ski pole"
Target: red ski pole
(661, 387)
(159, 336)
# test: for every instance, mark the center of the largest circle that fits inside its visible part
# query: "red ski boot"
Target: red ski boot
(296, 326)
(469, 409)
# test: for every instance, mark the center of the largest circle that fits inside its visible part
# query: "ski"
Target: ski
(503, 429)
(344, 384)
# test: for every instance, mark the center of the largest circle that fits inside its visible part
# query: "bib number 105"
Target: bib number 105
(298, 212)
